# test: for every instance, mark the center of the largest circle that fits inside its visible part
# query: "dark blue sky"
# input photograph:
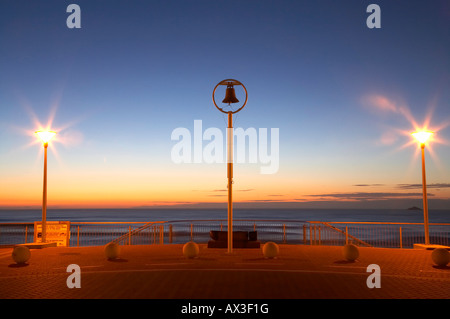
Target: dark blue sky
(137, 70)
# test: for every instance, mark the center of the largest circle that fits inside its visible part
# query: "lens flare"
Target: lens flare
(45, 136)
(423, 136)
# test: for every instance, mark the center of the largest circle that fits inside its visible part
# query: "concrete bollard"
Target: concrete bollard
(21, 254)
(440, 256)
(270, 250)
(190, 250)
(350, 252)
(112, 250)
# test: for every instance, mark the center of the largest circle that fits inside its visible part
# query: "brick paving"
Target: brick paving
(162, 272)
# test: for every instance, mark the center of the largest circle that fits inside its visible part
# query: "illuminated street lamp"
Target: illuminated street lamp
(422, 137)
(45, 136)
(230, 97)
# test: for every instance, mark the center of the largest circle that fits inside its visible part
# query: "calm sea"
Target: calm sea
(147, 215)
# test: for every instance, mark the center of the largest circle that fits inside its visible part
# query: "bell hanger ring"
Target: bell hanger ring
(230, 95)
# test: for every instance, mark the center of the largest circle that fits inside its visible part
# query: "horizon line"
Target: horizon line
(435, 203)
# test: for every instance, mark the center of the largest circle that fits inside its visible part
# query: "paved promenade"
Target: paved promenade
(162, 272)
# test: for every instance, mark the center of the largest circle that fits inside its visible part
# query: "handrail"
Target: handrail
(382, 223)
(96, 223)
(258, 220)
(383, 234)
(76, 223)
(346, 234)
(137, 230)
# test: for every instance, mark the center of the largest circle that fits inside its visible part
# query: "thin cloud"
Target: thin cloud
(368, 185)
(237, 190)
(361, 196)
(388, 138)
(381, 103)
(419, 186)
(384, 104)
(263, 200)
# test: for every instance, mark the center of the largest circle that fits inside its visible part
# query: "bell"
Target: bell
(230, 95)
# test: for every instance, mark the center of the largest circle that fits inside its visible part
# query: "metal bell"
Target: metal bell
(230, 95)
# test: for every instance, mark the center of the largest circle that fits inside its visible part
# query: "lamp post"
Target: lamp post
(422, 138)
(230, 97)
(45, 136)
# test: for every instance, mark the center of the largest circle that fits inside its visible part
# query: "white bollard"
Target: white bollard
(21, 254)
(440, 256)
(270, 250)
(190, 250)
(112, 250)
(350, 252)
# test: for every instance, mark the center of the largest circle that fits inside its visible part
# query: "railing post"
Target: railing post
(320, 241)
(78, 236)
(310, 234)
(192, 232)
(304, 234)
(170, 233)
(346, 235)
(129, 235)
(401, 239)
(26, 233)
(284, 233)
(161, 234)
(315, 242)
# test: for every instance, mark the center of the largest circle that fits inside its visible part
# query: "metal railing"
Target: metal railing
(16, 233)
(101, 233)
(182, 231)
(381, 234)
(371, 234)
(81, 233)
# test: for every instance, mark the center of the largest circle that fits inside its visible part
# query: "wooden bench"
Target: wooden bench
(241, 239)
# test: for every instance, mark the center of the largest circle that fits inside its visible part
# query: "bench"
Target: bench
(241, 239)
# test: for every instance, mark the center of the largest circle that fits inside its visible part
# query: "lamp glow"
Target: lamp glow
(45, 136)
(422, 136)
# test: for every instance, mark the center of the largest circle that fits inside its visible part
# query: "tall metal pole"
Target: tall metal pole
(425, 201)
(230, 181)
(44, 197)
(230, 98)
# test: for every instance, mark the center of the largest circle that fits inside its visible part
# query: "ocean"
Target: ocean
(148, 215)
(279, 225)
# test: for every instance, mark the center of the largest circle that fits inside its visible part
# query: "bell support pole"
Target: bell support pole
(230, 180)
(230, 97)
